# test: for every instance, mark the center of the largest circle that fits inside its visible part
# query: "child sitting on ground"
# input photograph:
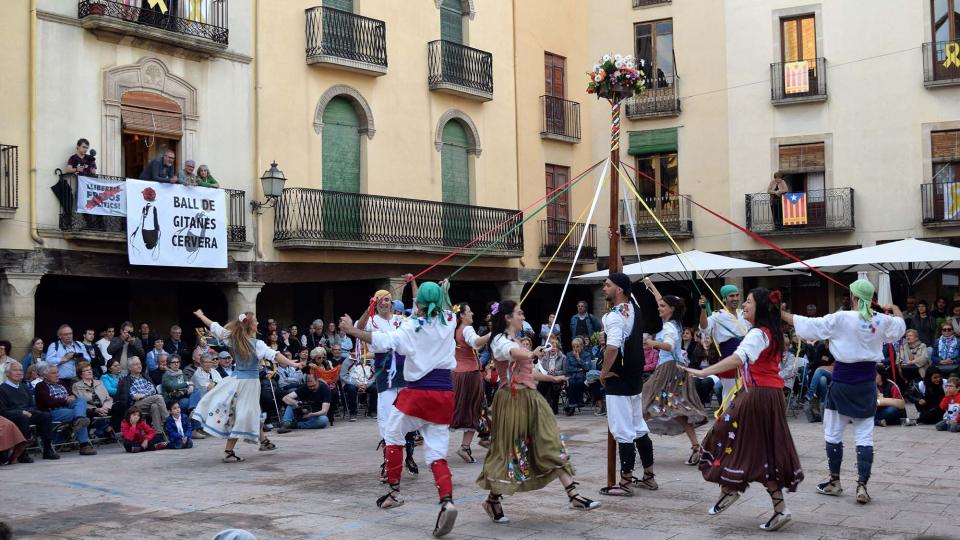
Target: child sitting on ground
(137, 434)
(179, 428)
(951, 407)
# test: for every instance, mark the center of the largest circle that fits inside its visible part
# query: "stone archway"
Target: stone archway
(473, 135)
(149, 74)
(360, 105)
(469, 8)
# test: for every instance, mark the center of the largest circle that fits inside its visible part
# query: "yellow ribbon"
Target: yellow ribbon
(953, 54)
(194, 12)
(161, 3)
(559, 247)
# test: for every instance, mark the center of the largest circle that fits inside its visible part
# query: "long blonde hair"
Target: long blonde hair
(242, 331)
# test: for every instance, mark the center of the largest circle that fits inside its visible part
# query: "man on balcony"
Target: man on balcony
(161, 169)
(776, 189)
(82, 163)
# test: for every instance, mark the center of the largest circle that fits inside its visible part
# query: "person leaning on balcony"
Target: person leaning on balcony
(205, 179)
(161, 169)
(188, 176)
(776, 188)
(82, 163)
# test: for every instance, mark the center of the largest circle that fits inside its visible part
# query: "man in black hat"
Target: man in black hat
(620, 376)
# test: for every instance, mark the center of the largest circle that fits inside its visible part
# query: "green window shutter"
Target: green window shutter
(454, 165)
(341, 147)
(451, 21)
(652, 142)
(344, 5)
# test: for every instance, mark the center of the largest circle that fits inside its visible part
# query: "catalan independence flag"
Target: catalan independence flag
(794, 208)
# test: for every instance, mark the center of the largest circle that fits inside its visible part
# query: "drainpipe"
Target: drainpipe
(32, 89)
(516, 108)
(256, 126)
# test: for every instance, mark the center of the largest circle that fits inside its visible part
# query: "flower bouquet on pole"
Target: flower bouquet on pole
(617, 77)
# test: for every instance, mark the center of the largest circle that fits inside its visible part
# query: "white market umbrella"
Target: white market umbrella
(682, 267)
(884, 294)
(915, 258)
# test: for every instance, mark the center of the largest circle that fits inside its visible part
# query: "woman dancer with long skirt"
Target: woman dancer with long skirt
(467, 381)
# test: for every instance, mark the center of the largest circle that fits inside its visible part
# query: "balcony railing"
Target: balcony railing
(791, 83)
(559, 119)
(552, 234)
(828, 210)
(200, 25)
(661, 98)
(461, 70)
(941, 63)
(673, 211)
(317, 218)
(938, 204)
(648, 3)
(114, 228)
(346, 41)
(9, 179)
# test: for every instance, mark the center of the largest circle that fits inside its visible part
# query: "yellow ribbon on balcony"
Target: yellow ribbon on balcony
(953, 55)
(196, 11)
(161, 3)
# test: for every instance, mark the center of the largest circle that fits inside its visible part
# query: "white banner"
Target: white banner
(101, 197)
(176, 225)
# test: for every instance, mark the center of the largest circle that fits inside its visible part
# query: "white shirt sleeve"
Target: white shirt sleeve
(709, 328)
(811, 328)
(264, 352)
(752, 345)
(470, 336)
(220, 332)
(502, 348)
(671, 336)
(891, 328)
(613, 327)
(400, 340)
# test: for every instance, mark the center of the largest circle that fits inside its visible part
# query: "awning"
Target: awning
(684, 266)
(654, 141)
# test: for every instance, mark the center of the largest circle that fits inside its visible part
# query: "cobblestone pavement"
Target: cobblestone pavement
(323, 484)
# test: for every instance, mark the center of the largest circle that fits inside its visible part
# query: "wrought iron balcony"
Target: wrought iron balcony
(344, 40)
(828, 210)
(673, 212)
(796, 82)
(320, 219)
(939, 204)
(9, 180)
(460, 70)
(649, 3)
(941, 63)
(552, 234)
(195, 25)
(559, 119)
(661, 98)
(78, 226)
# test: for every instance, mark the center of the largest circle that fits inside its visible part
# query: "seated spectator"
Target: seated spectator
(890, 404)
(156, 349)
(353, 379)
(225, 364)
(205, 179)
(789, 364)
(551, 364)
(314, 336)
(63, 406)
(912, 357)
(291, 378)
(954, 318)
(204, 379)
(18, 405)
(163, 364)
(549, 327)
(96, 359)
(175, 385)
(98, 400)
(704, 353)
(950, 405)
(326, 373)
(124, 346)
(823, 373)
(307, 407)
(196, 358)
(688, 342)
(135, 390)
(179, 428)
(137, 435)
(111, 378)
(273, 340)
(575, 367)
(34, 355)
(5, 360)
(32, 379)
(188, 175)
(64, 353)
(82, 163)
(946, 351)
(146, 337)
(176, 345)
(161, 169)
(336, 354)
(289, 344)
(106, 336)
(928, 407)
(12, 442)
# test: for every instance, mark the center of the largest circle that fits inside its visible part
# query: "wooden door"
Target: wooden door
(554, 70)
(945, 22)
(455, 184)
(558, 211)
(798, 41)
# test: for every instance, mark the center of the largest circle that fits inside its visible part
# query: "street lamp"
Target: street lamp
(272, 182)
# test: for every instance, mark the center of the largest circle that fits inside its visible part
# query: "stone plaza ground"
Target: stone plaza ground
(323, 484)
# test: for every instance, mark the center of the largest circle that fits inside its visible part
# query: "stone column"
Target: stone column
(393, 284)
(242, 296)
(510, 290)
(600, 306)
(18, 309)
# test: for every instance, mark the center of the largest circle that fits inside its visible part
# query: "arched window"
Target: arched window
(455, 164)
(341, 147)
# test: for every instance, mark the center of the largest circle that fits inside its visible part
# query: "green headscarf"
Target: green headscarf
(434, 300)
(863, 291)
(727, 290)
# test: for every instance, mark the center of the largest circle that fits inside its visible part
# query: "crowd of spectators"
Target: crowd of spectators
(160, 169)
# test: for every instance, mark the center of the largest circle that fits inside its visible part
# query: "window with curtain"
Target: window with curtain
(798, 38)
(804, 169)
(945, 152)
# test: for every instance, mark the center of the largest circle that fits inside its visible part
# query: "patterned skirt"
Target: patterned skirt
(668, 394)
(231, 410)
(468, 400)
(751, 442)
(527, 451)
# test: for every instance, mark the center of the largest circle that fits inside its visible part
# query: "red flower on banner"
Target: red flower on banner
(149, 194)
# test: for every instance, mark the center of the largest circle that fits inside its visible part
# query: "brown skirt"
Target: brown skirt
(670, 393)
(751, 442)
(468, 400)
(10, 435)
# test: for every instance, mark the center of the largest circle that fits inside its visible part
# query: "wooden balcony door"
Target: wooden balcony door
(804, 169)
(945, 152)
(558, 211)
(659, 195)
(554, 70)
(798, 42)
(946, 28)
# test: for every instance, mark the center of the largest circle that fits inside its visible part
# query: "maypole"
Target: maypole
(615, 78)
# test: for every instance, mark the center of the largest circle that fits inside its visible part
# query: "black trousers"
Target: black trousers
(40, 419)
(551, 392)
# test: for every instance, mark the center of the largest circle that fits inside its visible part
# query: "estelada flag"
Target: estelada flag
(794, 208)
(796, 77)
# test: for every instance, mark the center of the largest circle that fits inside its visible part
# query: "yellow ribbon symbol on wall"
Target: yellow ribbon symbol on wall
(161, 3)
(953, 55)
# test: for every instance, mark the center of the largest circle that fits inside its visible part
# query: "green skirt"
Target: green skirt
(527, 451)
